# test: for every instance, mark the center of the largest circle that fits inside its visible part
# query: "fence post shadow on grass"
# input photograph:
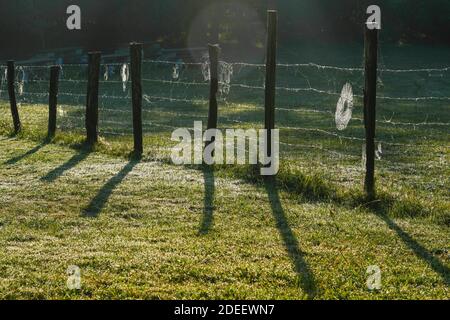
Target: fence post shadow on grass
(302, 269)
(71, 163)
(26, 154)
(419, 250)
(98, 202)
(208, 210)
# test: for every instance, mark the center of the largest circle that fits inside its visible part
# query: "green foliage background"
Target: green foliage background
(32, 25)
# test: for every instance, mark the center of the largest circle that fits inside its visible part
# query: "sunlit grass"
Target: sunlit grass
(149, 229)
(158, 231)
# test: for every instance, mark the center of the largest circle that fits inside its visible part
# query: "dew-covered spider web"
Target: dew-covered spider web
(3, 79)
(344, 109)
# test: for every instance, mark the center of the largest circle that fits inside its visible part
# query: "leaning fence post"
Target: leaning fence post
(92, 97)
(136, 88)
(53, 100)
(271, 67)
(370, 100)
(214, 51)
(12, 97)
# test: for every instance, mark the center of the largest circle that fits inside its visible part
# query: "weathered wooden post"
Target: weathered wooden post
(214, 51)
(12, 97)
(136, 88)
(370, 100)
(271, 67)
(53, 100)
(92, 97)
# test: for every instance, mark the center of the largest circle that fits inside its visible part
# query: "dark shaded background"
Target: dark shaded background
(29, 26)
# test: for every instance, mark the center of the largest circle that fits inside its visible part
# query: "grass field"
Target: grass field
(148, 229)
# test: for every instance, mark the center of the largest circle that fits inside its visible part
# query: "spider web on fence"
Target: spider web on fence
(311, 110)
(3, 80)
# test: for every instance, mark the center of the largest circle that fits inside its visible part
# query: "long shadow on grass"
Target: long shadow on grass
(26, 154)
(420, 251)
(302, 269)
(98, 202)
(208, 211)
(71, 163)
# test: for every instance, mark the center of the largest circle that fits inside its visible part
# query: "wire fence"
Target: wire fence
(319, 108)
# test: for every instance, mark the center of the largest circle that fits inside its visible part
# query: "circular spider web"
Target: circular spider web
(106, 74)
(225, 74)
(344, 109)
(125, 74)
(21, 81)
(206, 71)
(3, 80)
(378, 153)
(176, 72)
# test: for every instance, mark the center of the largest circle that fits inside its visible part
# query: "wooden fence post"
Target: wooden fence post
(136, 88)
(92, 97)
(271, 67)
(12, 97)
(214, 51)
(53, 100)
(370, 100)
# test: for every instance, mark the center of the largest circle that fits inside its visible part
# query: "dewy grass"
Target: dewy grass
(148, 229)
(152, 230)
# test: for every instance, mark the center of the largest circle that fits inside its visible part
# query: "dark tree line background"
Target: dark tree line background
(28, 26)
